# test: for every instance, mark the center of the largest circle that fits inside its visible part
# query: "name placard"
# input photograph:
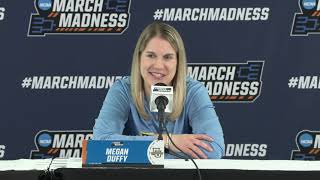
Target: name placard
(122, 153)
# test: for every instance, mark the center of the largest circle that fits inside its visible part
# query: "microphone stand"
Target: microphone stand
(161, 121)
(161, 102)
(50, 174)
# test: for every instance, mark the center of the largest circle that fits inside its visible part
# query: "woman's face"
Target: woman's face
(158, 63)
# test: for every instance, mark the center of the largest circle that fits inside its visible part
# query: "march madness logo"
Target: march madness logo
(62, 144)
(79, 17)
(229, 82)
(2, 10)
(307, 20)
(308, 143)
(2, 150)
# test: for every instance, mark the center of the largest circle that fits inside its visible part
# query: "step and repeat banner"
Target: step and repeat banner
(259, 60)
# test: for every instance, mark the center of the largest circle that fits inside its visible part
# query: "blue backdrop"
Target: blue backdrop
(56, 68)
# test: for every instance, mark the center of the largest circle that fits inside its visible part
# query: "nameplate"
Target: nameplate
(122, 153)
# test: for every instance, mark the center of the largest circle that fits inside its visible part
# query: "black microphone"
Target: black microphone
(161, 101)
(161, 96)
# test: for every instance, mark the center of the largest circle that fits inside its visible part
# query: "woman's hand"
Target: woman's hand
(190, 143)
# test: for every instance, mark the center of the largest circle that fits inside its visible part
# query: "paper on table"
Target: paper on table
(39, 164)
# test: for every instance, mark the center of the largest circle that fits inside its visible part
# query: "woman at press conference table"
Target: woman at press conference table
(193, 125)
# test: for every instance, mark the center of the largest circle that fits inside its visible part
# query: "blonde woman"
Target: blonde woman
(160, 56)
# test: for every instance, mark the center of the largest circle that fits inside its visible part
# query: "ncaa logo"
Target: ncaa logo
(44, 4)
(305, 140)
(309, 4)
(44, 140)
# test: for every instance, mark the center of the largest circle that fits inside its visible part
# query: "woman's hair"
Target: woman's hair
(170, 34)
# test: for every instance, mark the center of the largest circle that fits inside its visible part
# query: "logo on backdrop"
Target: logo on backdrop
(63, 144)
(304, 82)
(212, 14)
(68, 82)
(79, 17)
(308, 143)
(230, 82)
(2, 150)
(307, 21)
(2, 10)
(246, 151)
